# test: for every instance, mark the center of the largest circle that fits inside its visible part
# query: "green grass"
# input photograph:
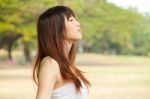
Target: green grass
(112, 59)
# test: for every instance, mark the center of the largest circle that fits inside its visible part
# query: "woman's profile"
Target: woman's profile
(55, 71)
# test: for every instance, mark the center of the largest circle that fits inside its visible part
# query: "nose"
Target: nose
(77, 23)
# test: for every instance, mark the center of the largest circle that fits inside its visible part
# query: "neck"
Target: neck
(68, 45)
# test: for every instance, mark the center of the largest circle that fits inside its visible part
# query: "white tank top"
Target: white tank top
(68, 91)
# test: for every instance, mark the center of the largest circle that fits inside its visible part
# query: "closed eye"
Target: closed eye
(70, 19)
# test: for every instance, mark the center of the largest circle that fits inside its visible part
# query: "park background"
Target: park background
(114, 51)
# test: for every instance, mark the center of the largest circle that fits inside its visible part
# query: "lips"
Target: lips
(78, 29)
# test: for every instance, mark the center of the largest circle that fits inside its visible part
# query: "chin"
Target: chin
(76, 38)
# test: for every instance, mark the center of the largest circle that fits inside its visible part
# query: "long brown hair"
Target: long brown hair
(50, 39)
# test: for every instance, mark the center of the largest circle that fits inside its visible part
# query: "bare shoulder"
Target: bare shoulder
(50, 65)
(48, 72)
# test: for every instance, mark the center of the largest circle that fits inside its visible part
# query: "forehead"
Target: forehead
(67, 18)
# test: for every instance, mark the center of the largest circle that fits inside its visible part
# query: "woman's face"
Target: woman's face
(73, 31)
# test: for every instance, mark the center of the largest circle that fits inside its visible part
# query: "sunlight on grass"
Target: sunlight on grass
(111, 78)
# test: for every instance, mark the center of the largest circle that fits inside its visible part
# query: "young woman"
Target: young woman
(55, 72)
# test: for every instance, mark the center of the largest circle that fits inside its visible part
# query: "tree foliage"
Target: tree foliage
(106, 28)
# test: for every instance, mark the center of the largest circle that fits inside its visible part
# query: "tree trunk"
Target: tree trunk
(9, 52)
(27, 53)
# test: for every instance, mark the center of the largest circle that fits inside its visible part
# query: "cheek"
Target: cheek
(70, 31)
(72, 34)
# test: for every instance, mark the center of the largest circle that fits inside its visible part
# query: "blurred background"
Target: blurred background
(114, 51)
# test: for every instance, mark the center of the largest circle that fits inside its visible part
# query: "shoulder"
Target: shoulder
(49, 65)
(48, 72)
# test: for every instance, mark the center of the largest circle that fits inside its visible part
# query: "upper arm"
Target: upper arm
(47, 78)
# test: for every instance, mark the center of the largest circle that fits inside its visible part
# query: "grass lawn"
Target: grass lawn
(112, 77)
(119, 82)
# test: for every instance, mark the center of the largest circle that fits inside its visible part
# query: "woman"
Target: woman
(54, 72)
